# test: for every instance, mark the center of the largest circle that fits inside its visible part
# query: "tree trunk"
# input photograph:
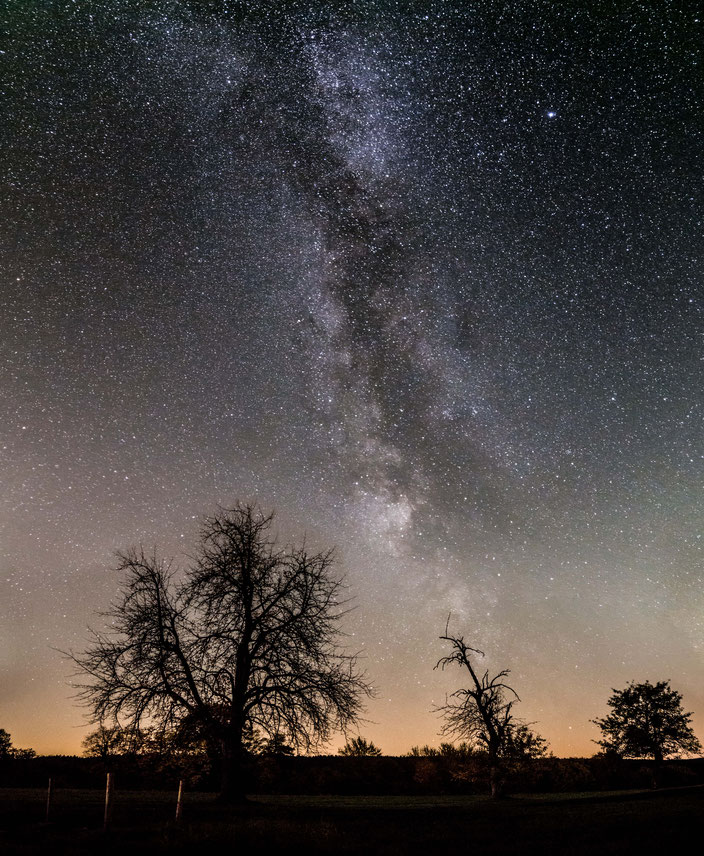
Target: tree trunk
(657, 770)
(233, 776)
(496, 780)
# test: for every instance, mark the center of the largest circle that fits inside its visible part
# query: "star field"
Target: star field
(426, 278)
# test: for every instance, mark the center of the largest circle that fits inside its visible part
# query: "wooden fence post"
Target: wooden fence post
(48, 801)
(179, 800)
(108, 802)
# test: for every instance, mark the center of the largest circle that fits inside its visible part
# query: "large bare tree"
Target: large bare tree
(247, 637)
(482, 712)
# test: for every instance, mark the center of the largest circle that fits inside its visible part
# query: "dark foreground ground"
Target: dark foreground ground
(636, 822)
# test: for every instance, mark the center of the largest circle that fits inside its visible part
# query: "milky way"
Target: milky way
(425, 278)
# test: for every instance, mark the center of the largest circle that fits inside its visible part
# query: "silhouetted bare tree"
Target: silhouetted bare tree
(482, 712)
(247, 638)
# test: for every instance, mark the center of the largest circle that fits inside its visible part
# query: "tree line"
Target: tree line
(242, 653)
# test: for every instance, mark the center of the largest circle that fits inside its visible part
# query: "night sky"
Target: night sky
(426, 278)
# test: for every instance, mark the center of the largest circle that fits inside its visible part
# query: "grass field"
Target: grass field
(631, 822)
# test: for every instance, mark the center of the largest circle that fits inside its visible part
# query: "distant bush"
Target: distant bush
(360, 747)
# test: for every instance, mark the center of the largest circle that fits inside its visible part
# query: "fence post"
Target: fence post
(179, 800)
(108, 802)
(48, 801)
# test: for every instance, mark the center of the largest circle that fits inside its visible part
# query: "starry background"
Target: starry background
(426, 278)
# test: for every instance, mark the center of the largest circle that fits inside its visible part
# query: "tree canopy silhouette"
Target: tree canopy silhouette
(246, 638)
(5, 744)
(106, 742)
(647, 721)
(7, 750)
